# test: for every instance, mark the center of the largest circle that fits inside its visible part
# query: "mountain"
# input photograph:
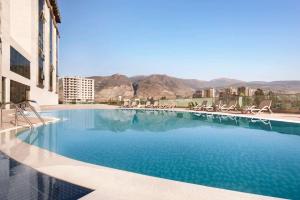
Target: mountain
(160, 86)
(111, 87)
(194, 83)
(223, 82)
(286, 87)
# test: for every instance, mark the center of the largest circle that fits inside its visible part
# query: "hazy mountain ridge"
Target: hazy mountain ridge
(157, 86)
(111, 87)
(163, 86)
(288, 87)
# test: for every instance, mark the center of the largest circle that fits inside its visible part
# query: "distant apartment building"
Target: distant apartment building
(231, 91)
(29, 39)
(206, 93)
(209, 93)
(197, 94)
(77, 90)
(239, 91)
(245, 91)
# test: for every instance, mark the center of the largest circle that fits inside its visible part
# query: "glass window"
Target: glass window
(41, 45)
(18, 92)
(19, 64)
(51, 55)
(3, 90)
(51, 40)
(56, 56)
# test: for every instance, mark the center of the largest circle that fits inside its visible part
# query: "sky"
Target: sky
(200, 39)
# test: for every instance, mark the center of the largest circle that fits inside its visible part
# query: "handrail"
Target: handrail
(33, 109)
(17, 110)
(23, 115)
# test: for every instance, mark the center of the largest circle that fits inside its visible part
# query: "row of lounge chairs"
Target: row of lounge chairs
(264, 106)
(148, 104)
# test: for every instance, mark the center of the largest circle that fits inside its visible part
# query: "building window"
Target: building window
(3, 90)
(18, 92)
(51, 67)
(19, 64)
(41, 58)
(56, 59)
(51, 40)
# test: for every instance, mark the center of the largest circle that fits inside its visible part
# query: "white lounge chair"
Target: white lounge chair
(264, 106)
(218, 105)
(172, 106)
(148, 104)
(125, 105)
(133, 104)
(230, 107)
(169, 106)
(208, 108)
(156, 104)
(200, 106)
(163, 106)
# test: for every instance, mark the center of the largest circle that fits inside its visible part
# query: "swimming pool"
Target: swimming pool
(248, 155)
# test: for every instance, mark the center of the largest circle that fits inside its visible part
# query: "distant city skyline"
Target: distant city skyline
(245, 40)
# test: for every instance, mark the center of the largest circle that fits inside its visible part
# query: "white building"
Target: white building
(77, 90)
(29, 40)
(209, 93)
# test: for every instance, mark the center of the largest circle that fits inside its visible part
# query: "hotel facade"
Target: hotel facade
(29, 40)
(77, 90)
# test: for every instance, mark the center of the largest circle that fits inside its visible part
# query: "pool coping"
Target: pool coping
(109, 183)
(262, 116)
(248, 116)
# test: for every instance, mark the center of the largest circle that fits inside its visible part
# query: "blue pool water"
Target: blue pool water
(248, 155)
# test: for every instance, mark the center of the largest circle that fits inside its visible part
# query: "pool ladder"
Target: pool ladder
(20, 110)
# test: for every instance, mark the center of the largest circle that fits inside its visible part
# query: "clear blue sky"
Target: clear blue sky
(202, 39)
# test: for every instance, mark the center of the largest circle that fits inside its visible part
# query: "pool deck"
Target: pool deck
(113, 184)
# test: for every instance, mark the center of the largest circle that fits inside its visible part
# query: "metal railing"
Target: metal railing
(28, 105)
(20, 109)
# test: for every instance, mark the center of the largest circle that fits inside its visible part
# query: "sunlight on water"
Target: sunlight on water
(247, 155)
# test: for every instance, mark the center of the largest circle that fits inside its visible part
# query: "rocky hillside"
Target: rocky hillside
(158, 86)
(111, 87)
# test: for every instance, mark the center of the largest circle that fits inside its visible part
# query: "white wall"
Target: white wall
(21, 19)
(19, 25)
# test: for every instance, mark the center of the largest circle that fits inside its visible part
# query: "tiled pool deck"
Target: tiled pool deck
(111, 183)
(19, 181)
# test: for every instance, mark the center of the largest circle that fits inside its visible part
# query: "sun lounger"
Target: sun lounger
(218, 105)
(200, 106)
(156, 104)
(148, 104)
(196, 107)
(230, 107)
(264, 106)
(208, 108)
(170, 106)
(163, 106)
(141, 105)
(133, 104)
(125, 105)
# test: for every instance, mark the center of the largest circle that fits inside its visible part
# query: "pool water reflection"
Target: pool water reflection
(248, 155)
